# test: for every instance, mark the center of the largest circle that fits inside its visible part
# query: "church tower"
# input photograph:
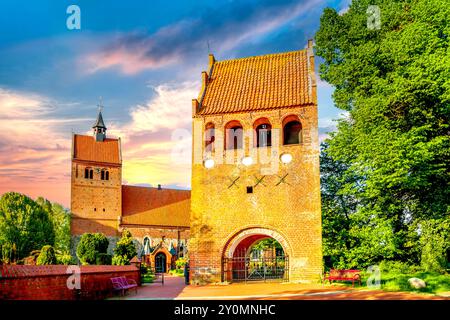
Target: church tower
(255, 170)
(99, 128)
(96, 182)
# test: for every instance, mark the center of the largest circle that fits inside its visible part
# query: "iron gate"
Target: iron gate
(247, 268)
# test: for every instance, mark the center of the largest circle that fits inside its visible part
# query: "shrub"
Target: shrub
(47, 256)
(180, 263)
(8, 252)
(396, 267)
(103, 259)
(125, 249)
(90, 245)
(435, 242)
(120, 261)
(65, 259)
(177, 272)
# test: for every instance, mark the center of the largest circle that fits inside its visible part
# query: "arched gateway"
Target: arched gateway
(256, 254)
(255, 205)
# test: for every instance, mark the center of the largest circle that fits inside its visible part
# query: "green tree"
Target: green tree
(394, 83)
(90, 246)
(435, 241)
(24, 224)
(125, 249)
(47, 256)
(61, 223)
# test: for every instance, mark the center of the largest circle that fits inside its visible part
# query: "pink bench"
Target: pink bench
(122, 284)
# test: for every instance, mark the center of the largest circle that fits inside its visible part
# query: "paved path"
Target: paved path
(174, 288)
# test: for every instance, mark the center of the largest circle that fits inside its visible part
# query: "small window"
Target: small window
(209, 137)
(263, 133)
(104, 174)
(250, 189)
(292, 130)
(103, 209)
(95, 209)
(234, 135)
(88, 173)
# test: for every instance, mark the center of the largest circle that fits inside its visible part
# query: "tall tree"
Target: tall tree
(394, 82)
(24, 224)
(61, 223)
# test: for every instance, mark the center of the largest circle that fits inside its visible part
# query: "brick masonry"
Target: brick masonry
(19, 282)
(96, 204)
(220, 213)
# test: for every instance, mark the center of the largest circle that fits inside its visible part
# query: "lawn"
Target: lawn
(147, 278)
(392, 281)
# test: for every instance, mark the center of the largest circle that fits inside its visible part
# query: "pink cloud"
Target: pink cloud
(34, 151)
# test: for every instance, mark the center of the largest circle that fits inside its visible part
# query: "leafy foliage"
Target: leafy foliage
(386, 171)
(90, 246)
(61, 223)
(8, 252)
(180, 263)
(119, 261)
(435, 242)
(24, 224)
(125, 249)
(47, 256)
(103, 259)
(65, 258)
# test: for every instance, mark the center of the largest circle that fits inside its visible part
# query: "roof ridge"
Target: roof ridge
(269, 55)
(145, 187)
(90, 136)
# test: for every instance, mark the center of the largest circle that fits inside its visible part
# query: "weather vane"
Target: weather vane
(100, 104)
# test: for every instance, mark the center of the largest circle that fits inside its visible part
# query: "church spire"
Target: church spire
(99, 126)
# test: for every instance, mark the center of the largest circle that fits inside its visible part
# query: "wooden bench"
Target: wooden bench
(122, 284)
(343, 275)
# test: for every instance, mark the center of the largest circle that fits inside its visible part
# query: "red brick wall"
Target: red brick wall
(50, 282)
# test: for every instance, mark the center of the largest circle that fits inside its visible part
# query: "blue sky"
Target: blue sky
(144, 58)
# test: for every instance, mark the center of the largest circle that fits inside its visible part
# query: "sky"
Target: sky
(144, 59)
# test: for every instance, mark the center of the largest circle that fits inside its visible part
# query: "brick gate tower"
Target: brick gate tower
(255, 171)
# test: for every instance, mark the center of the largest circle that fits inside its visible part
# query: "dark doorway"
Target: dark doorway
(160, 263)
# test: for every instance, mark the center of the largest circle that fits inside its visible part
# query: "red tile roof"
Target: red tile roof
(87, 149)
(258, 83)
(150, 206)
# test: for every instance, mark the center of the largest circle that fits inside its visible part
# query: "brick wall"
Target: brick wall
(50, 282)
(96, 204)
(222, 212)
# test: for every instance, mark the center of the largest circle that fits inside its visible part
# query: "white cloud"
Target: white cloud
(168, 110)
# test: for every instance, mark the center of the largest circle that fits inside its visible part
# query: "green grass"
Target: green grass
(148, 278)
(177, 272)
(392, 281)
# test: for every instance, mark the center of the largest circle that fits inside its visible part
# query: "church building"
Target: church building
(158, 218)
(254, 209)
